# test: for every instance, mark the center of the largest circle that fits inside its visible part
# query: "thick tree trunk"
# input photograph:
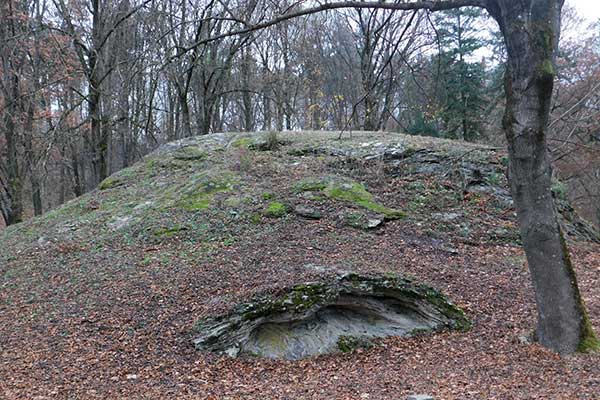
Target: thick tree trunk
(531, 30)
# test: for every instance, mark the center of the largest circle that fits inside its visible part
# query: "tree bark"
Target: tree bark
(11, 188)
(531, 30)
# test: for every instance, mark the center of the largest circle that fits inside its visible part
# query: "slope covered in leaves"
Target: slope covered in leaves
(100, 297)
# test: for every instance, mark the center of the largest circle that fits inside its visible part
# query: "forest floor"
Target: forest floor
(99, 298)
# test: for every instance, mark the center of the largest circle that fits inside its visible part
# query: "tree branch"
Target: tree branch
(416, 5)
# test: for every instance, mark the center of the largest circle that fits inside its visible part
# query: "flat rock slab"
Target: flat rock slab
(324, 317)
(307, 212)
(420, 397)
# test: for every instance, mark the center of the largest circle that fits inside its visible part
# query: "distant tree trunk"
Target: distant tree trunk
(266, 113)
(186, 122)
(97, 151)
(12, 207)
(246, 72)
(77, 170)
(531, 30)
(36, 187)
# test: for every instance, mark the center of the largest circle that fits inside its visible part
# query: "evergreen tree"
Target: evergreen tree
(461, 91)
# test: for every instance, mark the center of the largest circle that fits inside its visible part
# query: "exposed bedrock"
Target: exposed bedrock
(325, 317)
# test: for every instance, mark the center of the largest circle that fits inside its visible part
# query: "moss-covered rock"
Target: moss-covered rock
(348, 191)
(276, 209)
(311, 185)
(336, 315)
(356, 193)
(198, 194)
(190, 153)
(111, 182)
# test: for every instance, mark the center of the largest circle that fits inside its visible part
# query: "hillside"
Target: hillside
(100, 298)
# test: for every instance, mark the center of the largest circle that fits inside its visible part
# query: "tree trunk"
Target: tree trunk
(11, 188)
(186, 124)
(266, 113)
(246, 72)
(531, 31)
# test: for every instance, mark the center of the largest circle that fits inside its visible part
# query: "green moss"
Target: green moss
(547, 68)
(301, 298)
(494, 179)
(357, 194)
(255, 218)
(110, 182)
(461, 322)
(589, 345)
(588, 341)
(189, 153)
(169, 232)
(228, 241)
(267, 196)
(276, 209)
(243, 142)
(310, 185)
(199, 194)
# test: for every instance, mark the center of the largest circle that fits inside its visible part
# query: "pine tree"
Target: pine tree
(461, 89)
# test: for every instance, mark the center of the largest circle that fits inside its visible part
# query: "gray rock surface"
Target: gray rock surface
(307, 212)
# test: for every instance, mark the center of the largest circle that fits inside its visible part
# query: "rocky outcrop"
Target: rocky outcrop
(324, 317)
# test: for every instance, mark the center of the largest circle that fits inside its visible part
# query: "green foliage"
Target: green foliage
(461, 94)
(422, 127)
